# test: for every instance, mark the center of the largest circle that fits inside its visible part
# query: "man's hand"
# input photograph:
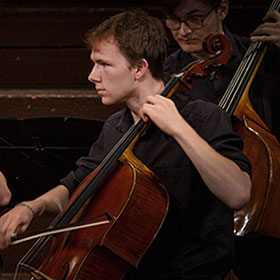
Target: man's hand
(163, 112)
(268, 31)
(13, 222)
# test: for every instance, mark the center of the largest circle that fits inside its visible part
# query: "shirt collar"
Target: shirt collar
(232, 40)
(126, 120)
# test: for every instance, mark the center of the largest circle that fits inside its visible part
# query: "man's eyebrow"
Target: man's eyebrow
(194, 11)
(190, 13)
(100, 61)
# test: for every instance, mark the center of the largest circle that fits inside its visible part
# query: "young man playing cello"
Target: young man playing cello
(190, 21)
(191, 149)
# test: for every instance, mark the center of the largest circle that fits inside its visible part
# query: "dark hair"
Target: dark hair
(170, 5)
(138, 35)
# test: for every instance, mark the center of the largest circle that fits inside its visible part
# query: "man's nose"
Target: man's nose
(93, 77)
(184, 28)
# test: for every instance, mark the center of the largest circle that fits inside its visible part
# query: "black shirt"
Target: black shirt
(264, 93)
(196, 238)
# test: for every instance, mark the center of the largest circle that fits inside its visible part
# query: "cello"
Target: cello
(123, 188)
(260, 214)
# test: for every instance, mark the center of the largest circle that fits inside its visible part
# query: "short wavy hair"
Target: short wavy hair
(137, 35)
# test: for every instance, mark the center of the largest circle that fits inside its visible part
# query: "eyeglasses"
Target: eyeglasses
(195, 22)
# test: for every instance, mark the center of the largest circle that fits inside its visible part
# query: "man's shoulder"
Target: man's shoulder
(239, 43)
(175, 55)
(242, 42)
(174, 63)
(115, 118)
(120, 121)
(197, 111)
(201, 107)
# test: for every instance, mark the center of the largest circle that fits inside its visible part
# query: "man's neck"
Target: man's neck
(152, 87)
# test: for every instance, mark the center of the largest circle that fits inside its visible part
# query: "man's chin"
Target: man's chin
(107, 102)
(191, 47)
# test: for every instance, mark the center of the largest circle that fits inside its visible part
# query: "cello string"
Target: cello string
(241, 72)
(238, 75)
(30, 255)
(244, 79)
(275, 5)
(34, 249)
(230, 93)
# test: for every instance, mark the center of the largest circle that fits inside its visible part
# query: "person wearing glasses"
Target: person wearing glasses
(190, 21)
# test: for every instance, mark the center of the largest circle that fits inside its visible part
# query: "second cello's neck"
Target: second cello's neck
(242, 77)
(245, 72)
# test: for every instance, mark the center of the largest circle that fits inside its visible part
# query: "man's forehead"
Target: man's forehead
(104, 42)
(103, 46)
(188, 7)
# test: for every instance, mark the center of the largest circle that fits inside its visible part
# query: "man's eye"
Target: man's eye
(196, 19)
(173, 19)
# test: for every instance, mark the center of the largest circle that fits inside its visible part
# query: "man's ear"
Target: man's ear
(141, 68)
(223, 9)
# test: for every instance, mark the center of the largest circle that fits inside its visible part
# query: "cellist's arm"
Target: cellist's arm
(54, 201)
(5, 193)
(19, 218)
(268, 31)
(222, 176)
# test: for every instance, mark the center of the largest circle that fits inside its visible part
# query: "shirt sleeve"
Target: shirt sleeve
(98, 151)
(217, 130)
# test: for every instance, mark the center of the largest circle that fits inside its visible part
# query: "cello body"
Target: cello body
(263, 150)
(139, 207)
(260, 214)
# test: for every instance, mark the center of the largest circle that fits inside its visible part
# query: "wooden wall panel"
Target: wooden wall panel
(45, 67)
(64, 103)
(41, 42)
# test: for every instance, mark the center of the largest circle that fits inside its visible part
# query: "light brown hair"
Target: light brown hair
(137, 35)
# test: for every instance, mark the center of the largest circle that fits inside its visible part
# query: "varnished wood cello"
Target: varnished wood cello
(135, 214)
(261, 214)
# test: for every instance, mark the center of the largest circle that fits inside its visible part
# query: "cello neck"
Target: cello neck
(245, 72)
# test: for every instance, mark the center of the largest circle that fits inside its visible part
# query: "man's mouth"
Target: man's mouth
(188, 41)
(100, 91)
